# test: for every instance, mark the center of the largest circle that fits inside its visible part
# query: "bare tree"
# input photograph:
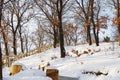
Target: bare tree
(116, 4)
(29, 41)
(39, 39)
(71, 34)
(95, 14)
(87, 11)
(2, 2)
(51, 16)
(4, 33)
(18, 16)
(83, 13)
(58, 6)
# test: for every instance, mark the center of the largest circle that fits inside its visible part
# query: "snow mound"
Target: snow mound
(28, 78)
(23, 66)
(31, 72)
(29, 75)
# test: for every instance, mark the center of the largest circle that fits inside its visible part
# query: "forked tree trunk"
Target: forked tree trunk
(93, 22)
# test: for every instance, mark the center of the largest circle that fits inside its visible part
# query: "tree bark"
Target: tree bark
(6, 46)
(1, 7)
(55, 37)
(26, 42)
(14, 44)
(62, 49)
(61, 35)
(0, 62)
(96, 37)
(89, 35)
(93, 22)
(21, 40)
(118, 15)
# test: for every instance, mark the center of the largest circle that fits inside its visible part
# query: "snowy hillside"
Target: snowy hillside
(83, 62)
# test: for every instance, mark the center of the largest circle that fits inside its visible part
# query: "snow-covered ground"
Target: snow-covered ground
(83, 61)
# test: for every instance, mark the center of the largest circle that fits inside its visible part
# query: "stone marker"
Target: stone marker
(52, 73)
(15, 69)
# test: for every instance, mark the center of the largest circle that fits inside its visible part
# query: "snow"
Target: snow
(28, 74)
(23, 66)
(27, 78)
(104, 58)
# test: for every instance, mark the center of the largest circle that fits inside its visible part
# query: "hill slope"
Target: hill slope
(99, 63)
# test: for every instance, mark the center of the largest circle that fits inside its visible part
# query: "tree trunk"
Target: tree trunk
(26, 47)
(6, 46)
(26, 42)
(118, 15)
(1, 6)
(93, 22)
(55, 37)
(62, 49)
(5, 43)
(21, 40)
(61, 35)
(89, 35)
(14, 44)
(96, 37)
(22, 48)
(0, 62)
(119, 34)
